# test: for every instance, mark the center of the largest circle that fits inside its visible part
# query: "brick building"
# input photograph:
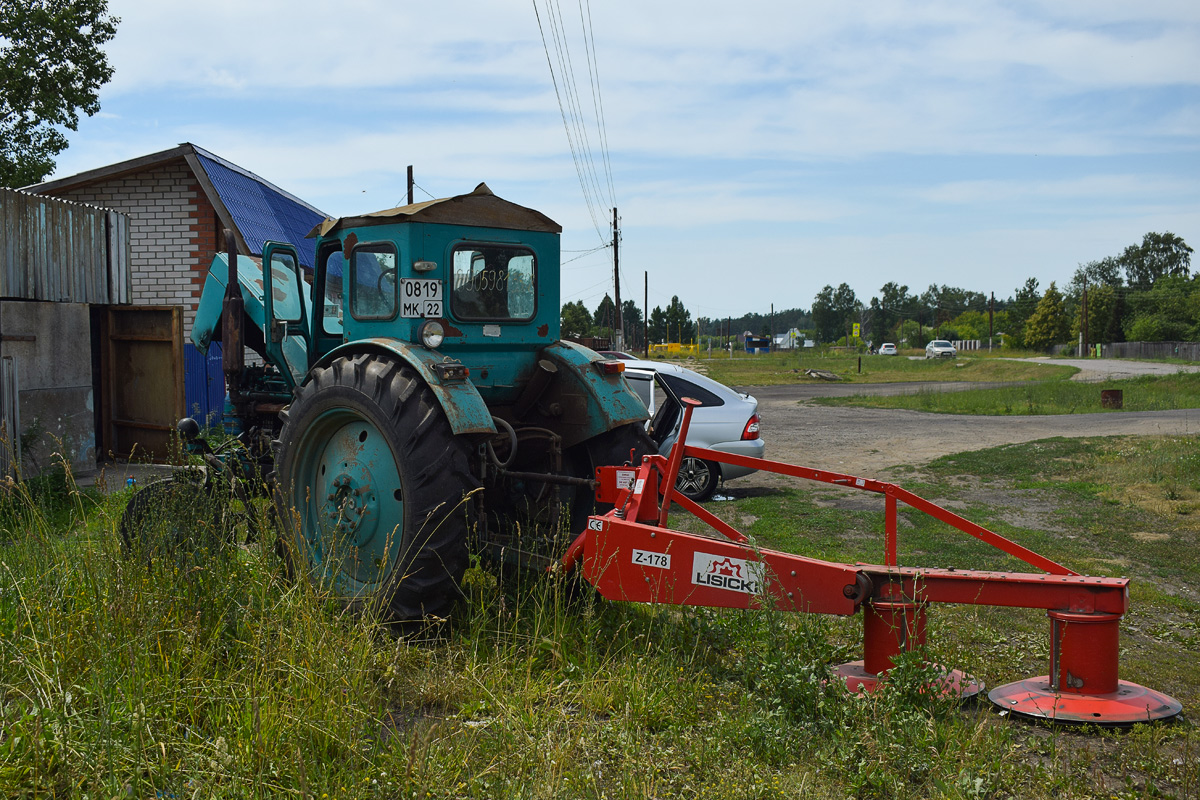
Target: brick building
(179, 201)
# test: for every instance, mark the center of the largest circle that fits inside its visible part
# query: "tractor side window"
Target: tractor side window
(285, 287)
(335, 277)
(373, 281)
(493, 282)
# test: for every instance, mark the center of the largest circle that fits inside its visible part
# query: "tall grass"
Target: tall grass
(136, 677)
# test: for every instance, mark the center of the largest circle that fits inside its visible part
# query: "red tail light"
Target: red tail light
(750, 432)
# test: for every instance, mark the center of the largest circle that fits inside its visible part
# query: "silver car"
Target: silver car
(940, 348)
(725, 420)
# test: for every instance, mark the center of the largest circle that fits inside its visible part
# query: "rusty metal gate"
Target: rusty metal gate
(142, 367)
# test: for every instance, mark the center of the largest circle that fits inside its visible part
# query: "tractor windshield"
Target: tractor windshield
(493, 282)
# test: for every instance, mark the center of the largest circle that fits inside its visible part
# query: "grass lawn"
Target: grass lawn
(217, 678)
(1150, 393)
(789, 368)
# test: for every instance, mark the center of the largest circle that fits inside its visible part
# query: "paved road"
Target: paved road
(1093, 369)
(864, 441)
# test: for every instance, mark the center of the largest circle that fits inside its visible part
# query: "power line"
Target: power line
(585, 253)
(570, 108)
(597, 100)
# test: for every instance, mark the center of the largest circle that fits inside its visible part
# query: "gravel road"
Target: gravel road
(865, 441)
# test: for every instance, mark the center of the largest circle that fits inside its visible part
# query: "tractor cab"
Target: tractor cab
(473, 278)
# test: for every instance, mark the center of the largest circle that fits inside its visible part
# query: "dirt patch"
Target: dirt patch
(867, 441)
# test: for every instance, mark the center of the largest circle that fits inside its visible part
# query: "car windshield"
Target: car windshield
(940, 343)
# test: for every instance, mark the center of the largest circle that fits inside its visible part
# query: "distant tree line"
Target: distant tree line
(1146, 293)
(672, 324)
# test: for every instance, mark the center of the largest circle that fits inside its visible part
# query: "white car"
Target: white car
(940, 348)
(887, 349)
(725, 420)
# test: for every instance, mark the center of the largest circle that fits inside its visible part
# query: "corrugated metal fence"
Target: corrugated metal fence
(203, 384)
(55, 250)
(10, 417)
(1188, 351)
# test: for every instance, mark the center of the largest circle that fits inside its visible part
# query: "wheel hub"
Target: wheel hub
(350, 507)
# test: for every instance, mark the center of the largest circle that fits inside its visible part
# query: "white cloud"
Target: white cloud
(792, 142)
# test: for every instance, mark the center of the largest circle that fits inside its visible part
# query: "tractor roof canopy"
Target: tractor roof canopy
(480, 209)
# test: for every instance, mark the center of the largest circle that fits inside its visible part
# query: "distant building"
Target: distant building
(790, 340)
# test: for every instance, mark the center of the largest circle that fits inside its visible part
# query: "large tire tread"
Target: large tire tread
(434, 468)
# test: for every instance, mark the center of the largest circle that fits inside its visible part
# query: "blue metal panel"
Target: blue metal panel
(203, 384)
(261, 212)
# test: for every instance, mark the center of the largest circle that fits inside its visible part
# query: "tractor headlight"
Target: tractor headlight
(432, 334)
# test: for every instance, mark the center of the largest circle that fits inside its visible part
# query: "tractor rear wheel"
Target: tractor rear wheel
(180, 518)
(371, 489)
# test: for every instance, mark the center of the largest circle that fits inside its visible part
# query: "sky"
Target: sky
(755, 151)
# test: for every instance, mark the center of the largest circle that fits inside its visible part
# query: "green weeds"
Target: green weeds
(152, 677)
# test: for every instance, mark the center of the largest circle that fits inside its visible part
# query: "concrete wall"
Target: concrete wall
(51, 343)
(174, 233)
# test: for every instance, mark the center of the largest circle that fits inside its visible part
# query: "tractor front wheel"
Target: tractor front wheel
(371, 489)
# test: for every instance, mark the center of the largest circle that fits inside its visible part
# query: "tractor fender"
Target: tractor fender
(596, 403)
(464, 407)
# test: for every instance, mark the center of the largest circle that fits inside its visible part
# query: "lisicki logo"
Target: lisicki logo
(723, 572)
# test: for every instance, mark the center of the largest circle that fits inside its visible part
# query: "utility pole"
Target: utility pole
(619, 333)
(1084, 327)
(991, 311)
(411, 182)
(646, 311)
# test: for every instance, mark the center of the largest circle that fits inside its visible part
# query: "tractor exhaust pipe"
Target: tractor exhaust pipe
(538, 382)
(233, 357)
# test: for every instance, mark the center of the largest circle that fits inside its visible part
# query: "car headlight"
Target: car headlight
(432, 334)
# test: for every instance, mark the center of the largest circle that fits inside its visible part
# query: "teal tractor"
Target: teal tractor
(414, 400)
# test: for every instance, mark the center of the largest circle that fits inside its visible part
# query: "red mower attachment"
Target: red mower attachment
(629, 554)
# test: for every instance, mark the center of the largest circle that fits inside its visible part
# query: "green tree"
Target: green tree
(658, 325)
(631, 324)
(911, 333)
(833, 311)
(576, 320)
(1105, 272)
(605, 317)
(970, 325)
(1159, 255)
(825, 318)
(679, 323)
(1020, 307)
(51, 68)
(1102, 308)
(895, 303)
(1049, 324)
(1169, 311)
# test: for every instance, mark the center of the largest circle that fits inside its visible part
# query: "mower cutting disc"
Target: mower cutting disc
(1128, 705)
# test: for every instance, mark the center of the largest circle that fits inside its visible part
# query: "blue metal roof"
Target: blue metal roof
(262, 212)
